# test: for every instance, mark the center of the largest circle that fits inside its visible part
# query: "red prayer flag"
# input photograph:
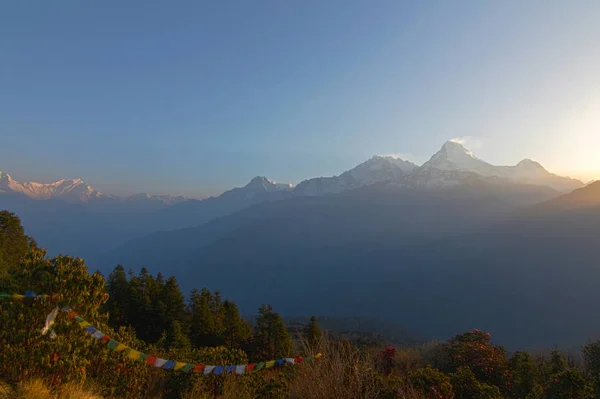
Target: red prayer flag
(199, 368)
(298, 360)
(250, 367)
(72, 314)
(105, 339)
(150, 360)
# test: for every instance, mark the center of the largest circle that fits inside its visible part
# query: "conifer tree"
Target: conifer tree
(174, 303)
(119, 297)
(203, 325)
(312, 332)
(236, 330)
(177, 339)
(271, 339)
(14, 244)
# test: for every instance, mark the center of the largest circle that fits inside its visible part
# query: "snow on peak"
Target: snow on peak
(374, 170)
(263, 183)
(72, 190)
(453, 156)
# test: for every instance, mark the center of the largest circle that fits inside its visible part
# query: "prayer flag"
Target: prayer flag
(240, 369)
(133, 354)
(169, 365)
(199, 368)
(179, 366)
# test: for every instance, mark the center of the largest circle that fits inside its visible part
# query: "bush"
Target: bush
(430, 382)
(466, 386)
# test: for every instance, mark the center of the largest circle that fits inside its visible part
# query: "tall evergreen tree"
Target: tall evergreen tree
(202, 324)
(14, 244)
(176, 337)
(271, 339)
(174, 305)
(236, 331)
(312, 332)
(118, 304)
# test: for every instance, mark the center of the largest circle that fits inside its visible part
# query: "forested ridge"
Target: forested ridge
(149, 313)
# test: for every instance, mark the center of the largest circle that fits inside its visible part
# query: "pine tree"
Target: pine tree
(203, 324)
(312, 332)
(119, 297)
(236, 330)
(14, 244)
(174, 305)
(177, 339)
(271, 339)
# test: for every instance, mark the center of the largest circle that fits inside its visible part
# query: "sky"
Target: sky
(193, 98)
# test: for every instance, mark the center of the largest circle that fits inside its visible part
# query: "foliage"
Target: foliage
(271, 339)
(525, 377)
(149, 313)
(14, 244)
(312, 332)
(569, 383)
(466, 386)
(431, 382)
(475, 350)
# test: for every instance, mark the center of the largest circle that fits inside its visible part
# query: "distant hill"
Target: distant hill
(441, 261)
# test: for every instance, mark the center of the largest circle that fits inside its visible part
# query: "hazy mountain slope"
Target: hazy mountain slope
(371, 217)
(397, 254)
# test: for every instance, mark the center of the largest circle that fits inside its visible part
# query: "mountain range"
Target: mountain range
(452, 244)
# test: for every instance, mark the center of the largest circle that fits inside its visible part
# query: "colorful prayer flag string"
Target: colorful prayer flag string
(152, 360)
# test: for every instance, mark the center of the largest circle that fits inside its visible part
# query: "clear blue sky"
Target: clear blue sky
(193, 97)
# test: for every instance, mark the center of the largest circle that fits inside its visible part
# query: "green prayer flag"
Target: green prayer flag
(112, 344)
(259, 366)
(188, 367)
(79, 319)
(143, 357)
(309, 359)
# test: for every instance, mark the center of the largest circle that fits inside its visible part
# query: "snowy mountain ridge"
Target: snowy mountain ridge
(453, 164)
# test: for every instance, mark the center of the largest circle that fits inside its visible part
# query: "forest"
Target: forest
(66, 332)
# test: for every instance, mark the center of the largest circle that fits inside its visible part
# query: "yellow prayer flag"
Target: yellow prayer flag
(84, 324)
(18, 296)
(318, 355)
(270, 364)
(179, 366)
(120, 347)
(133, 354)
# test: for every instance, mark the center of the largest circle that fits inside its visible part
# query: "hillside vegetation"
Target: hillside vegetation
(149, 313)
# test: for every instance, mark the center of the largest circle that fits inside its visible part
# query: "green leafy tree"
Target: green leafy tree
(558, 362)
(204, 319)
(118, 304)
(431, 383)
(591, 358)
(525, 376)
(475, 350)
(14, 244)
(177, 339)
(271, 339)
(312, 332)
(466, 386)
(569, 383)
(236, 331)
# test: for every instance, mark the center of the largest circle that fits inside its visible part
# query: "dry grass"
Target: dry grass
(37, 389)
(343, 372)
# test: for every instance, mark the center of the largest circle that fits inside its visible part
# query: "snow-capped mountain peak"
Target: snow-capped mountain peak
(72, 190)
(263, 183)
(374, 170)
(454, 156)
